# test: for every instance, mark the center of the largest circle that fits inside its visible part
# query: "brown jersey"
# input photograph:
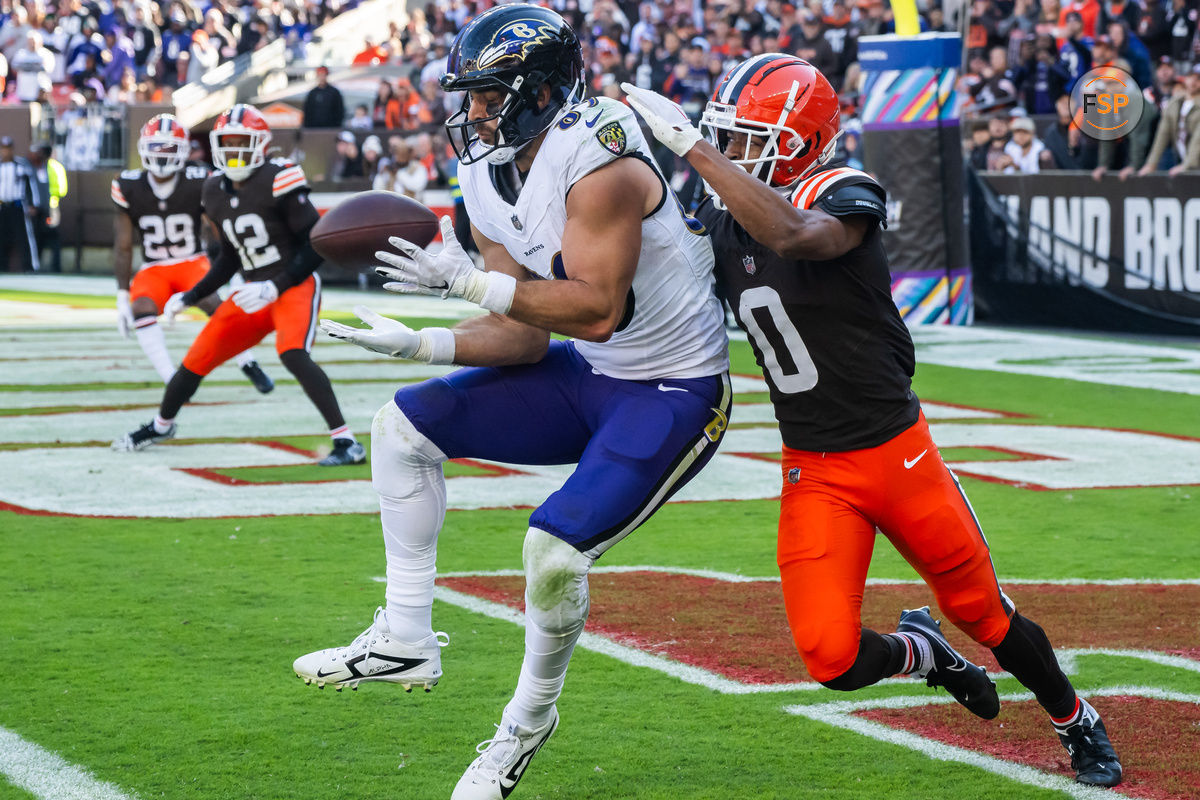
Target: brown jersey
(265, 220)
(835, 353)
(169, 226)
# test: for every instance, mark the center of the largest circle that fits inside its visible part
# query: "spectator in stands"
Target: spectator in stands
(809, 42)
(372, 152)
(1131, 49)
(124, 91)
(349, 162)
(118, 55)
(31, 67)
(176, 46)
(608, 71)
(3, 75)
(361, 120)
(689, 84)
(407, 175)
(14, 33)
(1182, 26)
(1179, 129)
(371, 53)
(219, 34)
(1062, 138)
(409, 112)
(1074, 54)
(1024, 149)
(995, 89)
(1042, 78)
(1126, 11)
(203, 56)
(255, 35)
(324, 106)
(56, 40)
(385, 104)
(996, 159)
(147, 42)
(1089, 13)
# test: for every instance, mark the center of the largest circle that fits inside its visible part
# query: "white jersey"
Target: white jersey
(677, 325)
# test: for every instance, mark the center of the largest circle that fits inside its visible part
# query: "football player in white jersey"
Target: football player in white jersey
(581, 236)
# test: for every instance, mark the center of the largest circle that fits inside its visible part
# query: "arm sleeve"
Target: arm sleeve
(300, 216)
(222, 269)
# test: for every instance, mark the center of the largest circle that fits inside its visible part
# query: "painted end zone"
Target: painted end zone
(1157, 739)
(739, 630)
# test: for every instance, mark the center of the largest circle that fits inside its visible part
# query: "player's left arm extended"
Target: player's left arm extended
(770, 219)
(301, 217)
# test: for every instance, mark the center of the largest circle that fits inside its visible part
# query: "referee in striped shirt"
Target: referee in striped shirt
(19, 202)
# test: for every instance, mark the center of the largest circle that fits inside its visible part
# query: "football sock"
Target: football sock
(878, 657)
(245, 357)
(917, 657)
(556, 608)
(1025, 652)
(180, 388)
(342, 432)
(316, 385)
(406, 470)
(154, 345)
(162, 425)
(1083, 712)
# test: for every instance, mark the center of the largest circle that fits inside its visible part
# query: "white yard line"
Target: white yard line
(48, 776)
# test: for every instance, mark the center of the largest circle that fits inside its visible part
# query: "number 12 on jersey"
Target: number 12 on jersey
(256, 251)
(796, 372)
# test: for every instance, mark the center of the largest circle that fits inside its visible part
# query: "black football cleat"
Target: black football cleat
(142, 438)
(967, 682)
(345, 452)
(1092, 755)
(261, 380)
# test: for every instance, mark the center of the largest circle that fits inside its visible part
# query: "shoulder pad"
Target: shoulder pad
(288, 179)
(805, 195)
(195, 172)
(848, 199)
(118, 196)
(280, 161)
(131, 174)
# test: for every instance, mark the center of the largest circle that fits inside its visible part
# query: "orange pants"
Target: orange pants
(230, 330)
(831, 506)
(158, 280)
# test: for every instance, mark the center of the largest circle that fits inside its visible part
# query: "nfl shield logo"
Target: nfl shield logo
(748, 263)
(794, 475)
(517, 223)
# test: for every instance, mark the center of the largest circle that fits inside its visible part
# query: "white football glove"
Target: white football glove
(254, 296)
(392, 338)
(175, 306)
(124, 313)
(666, 120)
(449, 273)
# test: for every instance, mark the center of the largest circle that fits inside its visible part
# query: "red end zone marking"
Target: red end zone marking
(739, 630)
(1157, 740)
(210, 474)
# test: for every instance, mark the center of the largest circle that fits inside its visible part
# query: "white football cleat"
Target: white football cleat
(503, 760)
(375, 656)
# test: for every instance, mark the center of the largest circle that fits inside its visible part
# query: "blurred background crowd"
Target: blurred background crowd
(1021, 60)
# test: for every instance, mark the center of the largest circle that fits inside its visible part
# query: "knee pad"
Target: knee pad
(402, 458)
(556, 590)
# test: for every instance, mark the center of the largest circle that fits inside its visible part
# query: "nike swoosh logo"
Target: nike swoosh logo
(662, 387)
(591, 123)
(910, 464)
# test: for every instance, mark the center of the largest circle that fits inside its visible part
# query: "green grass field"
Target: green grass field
(154, 654)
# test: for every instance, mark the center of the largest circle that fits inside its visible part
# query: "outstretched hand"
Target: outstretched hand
(667, 121)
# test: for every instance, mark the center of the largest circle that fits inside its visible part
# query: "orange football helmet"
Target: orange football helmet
(163, 146)
(783, 100)
(239, 159)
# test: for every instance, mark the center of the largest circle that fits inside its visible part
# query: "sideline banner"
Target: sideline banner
(911, 144)
(1060, 248)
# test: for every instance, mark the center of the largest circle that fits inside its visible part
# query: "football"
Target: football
(349, 233)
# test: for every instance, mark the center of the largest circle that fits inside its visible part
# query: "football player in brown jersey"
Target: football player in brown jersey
(800, 258)
(261, 210)
(162, 201)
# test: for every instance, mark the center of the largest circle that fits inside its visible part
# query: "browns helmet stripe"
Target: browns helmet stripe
(741, 76)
